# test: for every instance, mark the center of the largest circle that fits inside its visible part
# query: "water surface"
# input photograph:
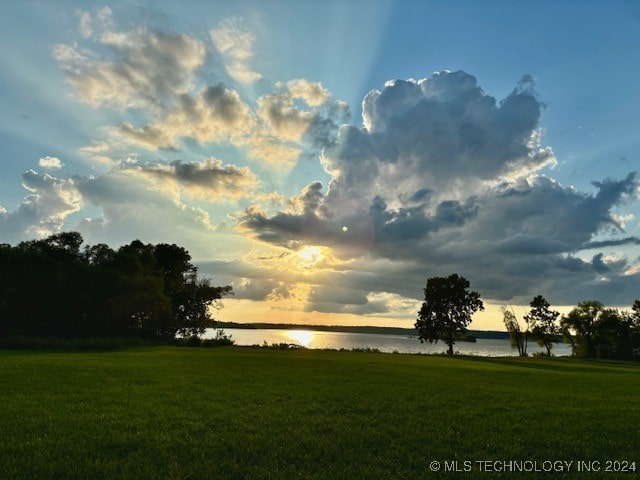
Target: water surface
(385, 343)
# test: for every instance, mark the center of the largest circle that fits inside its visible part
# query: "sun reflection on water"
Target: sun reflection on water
(303, 337)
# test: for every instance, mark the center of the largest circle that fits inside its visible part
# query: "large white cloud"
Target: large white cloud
(441, 179)
(43, 211)
(215, 114)
(147, 68)
(442, 133)
(160, 80)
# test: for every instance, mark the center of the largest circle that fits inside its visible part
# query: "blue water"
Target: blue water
(385, 343)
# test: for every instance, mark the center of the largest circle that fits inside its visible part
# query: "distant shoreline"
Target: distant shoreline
(406, 332)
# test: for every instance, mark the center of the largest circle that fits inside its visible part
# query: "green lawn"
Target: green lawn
(169, 412)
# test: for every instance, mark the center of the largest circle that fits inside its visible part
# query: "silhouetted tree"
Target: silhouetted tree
(598, 332)
(519, 338)
(542, 320)
(580, 327)
(634, 319)
(613, 335)
(191, 299)
(50, 287)
(447, 309)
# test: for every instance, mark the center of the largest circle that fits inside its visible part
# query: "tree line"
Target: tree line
(593, 330)
(54, 288)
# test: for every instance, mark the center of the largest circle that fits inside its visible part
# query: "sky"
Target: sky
(326, 158)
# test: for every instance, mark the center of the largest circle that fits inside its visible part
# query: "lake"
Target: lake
(385, 343)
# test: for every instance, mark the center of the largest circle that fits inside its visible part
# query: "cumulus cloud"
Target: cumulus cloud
(50, 163)
(313, 93)
(289, 122)
(215, 114)
(235, 44)
(442, 133)
(44, 210)
(284, 119)
(157, 74)
(440, 177)
(443, 178)
(145, 68)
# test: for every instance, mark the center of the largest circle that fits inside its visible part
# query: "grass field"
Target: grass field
(168, 412)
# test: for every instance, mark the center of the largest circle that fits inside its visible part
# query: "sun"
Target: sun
(310, 256)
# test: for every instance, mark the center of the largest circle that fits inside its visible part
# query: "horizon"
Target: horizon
(325, 159)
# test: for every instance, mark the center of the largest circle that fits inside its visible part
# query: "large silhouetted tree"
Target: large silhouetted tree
(599, 332)
(447, 309)
(580, 327)
(542, 320)
(51, 287)
(191, 298)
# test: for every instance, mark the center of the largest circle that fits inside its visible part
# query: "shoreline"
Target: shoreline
(407, 332)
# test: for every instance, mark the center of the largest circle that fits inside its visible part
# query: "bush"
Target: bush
(220, 340)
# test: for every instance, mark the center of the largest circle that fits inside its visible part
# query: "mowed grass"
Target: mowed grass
(189, 413)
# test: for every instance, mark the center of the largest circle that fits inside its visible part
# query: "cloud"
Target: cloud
(441, 133)
(209, 180)
(264, 147)
(149, 136)
(50, 163)
(98, 152)
(144, 69)
(235, 44)
(134, 201)
(358, 302)
(277, 134)
(441, 179)
(91, 24)
(288, 122)
(283, 118)
(131, 208)
(44, 210)
(151, 206)
(313, 93)
(158, 76)
(215, 114)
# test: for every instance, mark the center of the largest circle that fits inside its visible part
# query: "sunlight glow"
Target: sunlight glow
(310, 256)
(303, 337)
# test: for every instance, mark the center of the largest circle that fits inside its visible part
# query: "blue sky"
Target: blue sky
(327, 157)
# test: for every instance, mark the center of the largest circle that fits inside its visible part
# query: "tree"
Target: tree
(49, 287)
(447, 309)
(598, 332)
(191, 298)
(580, 327)
(519, 338)
(613, 337)
(634, 319)
(542, 320)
